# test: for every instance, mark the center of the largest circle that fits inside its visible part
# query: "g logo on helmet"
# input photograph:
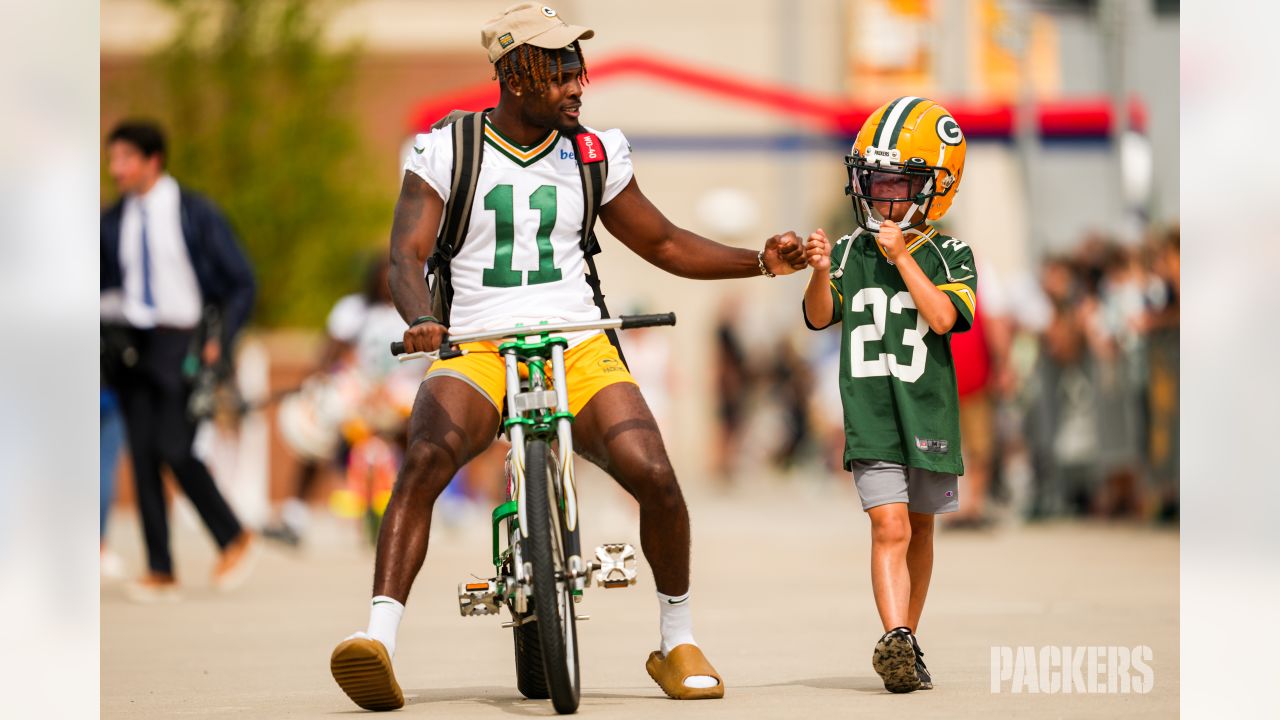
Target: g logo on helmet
(949, 130)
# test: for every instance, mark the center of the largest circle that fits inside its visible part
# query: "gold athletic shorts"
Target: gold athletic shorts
(590, 367)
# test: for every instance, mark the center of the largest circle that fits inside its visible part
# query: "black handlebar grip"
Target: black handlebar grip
(639, 321)
(397, 347)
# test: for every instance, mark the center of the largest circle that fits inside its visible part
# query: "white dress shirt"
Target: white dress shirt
(175, 293)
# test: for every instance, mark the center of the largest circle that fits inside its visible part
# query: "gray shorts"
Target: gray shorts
(924, 491)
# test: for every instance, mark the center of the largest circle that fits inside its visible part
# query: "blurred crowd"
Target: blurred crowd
(1068, 388)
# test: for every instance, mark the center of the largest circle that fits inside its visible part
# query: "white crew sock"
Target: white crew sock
(384, 621)
(675, 621)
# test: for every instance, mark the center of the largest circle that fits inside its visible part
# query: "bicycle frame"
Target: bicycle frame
(539, 424)
(522, 418)
(530, 413)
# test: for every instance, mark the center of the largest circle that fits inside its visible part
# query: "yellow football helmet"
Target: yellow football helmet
(912, 139)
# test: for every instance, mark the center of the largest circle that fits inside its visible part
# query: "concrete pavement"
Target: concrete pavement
(782, 607)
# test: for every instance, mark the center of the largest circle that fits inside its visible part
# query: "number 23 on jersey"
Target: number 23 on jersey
(886, 311)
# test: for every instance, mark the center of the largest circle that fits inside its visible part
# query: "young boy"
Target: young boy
(899, 288)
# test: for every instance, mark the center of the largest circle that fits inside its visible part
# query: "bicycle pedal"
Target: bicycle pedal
(478, 598)
(615, 565)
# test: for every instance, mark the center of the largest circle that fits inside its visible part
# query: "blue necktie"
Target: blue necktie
(147, 298)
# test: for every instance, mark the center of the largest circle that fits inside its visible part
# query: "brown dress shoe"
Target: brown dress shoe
(153, 587)
(236, 562)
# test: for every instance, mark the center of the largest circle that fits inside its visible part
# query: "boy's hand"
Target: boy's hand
(817, 252)
(890, 239)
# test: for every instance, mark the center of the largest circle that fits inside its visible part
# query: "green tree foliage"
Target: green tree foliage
(258, 117)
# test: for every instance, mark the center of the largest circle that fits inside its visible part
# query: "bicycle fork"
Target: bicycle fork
(566, 488)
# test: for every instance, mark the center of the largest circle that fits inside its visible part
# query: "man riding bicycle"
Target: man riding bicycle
(522, 261)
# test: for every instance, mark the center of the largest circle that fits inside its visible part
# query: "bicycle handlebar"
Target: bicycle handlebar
(641, 321)
(622, 322)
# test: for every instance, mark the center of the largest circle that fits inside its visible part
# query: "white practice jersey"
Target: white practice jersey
(521, 261)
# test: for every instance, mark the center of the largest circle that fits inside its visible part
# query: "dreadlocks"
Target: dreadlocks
(536, 68)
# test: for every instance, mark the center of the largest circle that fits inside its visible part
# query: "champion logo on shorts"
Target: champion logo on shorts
(589, 148)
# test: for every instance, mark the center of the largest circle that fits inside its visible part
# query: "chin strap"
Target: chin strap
(874, 225)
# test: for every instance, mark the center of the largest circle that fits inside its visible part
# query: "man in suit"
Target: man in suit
(169, 261)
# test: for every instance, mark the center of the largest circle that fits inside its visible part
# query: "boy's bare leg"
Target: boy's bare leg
(919, 565)
(901, 565)
(890, 577)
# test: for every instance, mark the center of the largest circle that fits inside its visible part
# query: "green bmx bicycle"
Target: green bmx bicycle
(540, 573)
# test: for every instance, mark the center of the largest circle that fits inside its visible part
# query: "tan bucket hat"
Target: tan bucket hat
(529, 23)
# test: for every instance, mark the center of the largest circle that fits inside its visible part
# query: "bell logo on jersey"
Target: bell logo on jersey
(589, 148)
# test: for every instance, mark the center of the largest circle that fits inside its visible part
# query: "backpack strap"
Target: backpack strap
(593, 166)
(468, 143)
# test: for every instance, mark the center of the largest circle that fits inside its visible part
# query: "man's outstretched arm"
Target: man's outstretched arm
(413, 239)
(635, 221)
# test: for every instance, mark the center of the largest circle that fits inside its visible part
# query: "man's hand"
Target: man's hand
(783, 254)
(423, 338)
(817, 252)
(890, 239)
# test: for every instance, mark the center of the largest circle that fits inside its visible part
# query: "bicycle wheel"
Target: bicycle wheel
(531, 681)
(552, 592)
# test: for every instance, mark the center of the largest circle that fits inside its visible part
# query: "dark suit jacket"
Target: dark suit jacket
(222, 271)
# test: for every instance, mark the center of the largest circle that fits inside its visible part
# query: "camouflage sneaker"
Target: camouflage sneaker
(926, 680)
(894, 659)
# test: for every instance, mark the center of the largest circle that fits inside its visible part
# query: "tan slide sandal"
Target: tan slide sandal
(684, 661)
(363, 670)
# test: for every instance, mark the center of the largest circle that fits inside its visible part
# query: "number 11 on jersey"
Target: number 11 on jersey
(501, 202)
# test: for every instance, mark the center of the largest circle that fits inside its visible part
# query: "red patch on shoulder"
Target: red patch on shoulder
(590, 149)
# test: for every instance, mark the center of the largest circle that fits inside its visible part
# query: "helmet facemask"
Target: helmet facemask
(912, 186)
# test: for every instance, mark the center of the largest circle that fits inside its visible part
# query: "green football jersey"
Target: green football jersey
(897, 379)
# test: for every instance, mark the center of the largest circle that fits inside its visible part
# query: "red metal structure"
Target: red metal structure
(1075, 119)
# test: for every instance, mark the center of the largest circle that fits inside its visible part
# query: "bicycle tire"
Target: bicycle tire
(556, 622)
(531, 680)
